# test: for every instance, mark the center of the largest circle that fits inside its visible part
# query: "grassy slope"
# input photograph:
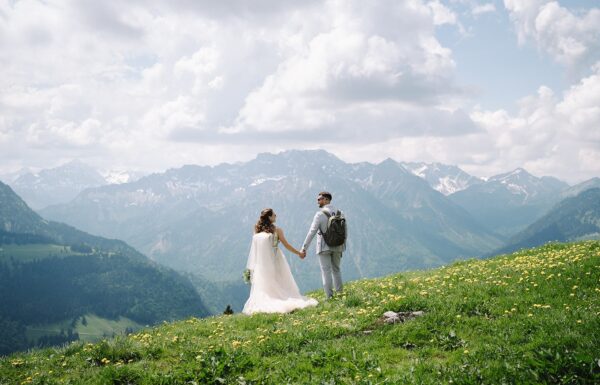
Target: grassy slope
(529, 317)
(30, 252)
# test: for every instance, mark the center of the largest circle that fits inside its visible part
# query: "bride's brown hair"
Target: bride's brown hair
(264, 222)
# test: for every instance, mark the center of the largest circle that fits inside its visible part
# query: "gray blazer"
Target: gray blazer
(320, 223)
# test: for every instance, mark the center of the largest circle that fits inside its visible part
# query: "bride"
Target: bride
(273, 287)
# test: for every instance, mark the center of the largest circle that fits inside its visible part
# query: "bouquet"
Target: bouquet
(247, 276)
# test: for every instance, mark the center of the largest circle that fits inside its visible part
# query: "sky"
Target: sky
(149, 85)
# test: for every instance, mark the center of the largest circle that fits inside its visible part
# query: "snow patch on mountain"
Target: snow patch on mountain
(520, 182)
(421, 171)
(121, 176)
(262, 180)
(515, 188)
(444, 178)
(448, 185)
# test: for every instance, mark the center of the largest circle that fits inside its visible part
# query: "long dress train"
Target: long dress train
(274, 289)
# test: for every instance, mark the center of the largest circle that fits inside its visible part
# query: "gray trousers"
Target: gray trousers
(330, 271)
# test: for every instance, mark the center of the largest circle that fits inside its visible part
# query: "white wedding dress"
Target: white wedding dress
(273, 287)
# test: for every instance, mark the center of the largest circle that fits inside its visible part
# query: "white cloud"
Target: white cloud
(168, 74)
(156, 84)
(480, 9)
(360, 78)
(581, 109)
(571, 39)
(548, 136)
(441, 13)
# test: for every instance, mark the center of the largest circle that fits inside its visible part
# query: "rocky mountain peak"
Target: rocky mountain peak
(446, 179)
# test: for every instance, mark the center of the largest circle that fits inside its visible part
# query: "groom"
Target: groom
(329, 257)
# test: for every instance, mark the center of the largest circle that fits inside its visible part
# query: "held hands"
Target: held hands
(302, 254)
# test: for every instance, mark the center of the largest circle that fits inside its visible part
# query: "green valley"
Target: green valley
(59, 284)
(32, 252)
(89, 328)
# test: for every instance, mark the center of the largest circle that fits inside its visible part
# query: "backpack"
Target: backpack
(336, 229)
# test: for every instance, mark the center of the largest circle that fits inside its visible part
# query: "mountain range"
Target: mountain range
(507, 203)
(579, 188)
(199, 219)
(53, 274)
(574, 218)
(61, 184)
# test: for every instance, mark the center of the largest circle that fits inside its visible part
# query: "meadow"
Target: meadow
(531, 317)
(94, 328)
(31, 252)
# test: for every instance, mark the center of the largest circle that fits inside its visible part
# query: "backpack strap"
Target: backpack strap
(328, 215)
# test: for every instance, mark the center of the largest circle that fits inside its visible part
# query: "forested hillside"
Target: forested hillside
(53, 275)
(574, 218)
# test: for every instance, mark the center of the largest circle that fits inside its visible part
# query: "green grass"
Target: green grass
(31, 252)
(527, 318)
(95, 329)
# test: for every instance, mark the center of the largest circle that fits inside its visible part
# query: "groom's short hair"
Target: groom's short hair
(326, 195)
